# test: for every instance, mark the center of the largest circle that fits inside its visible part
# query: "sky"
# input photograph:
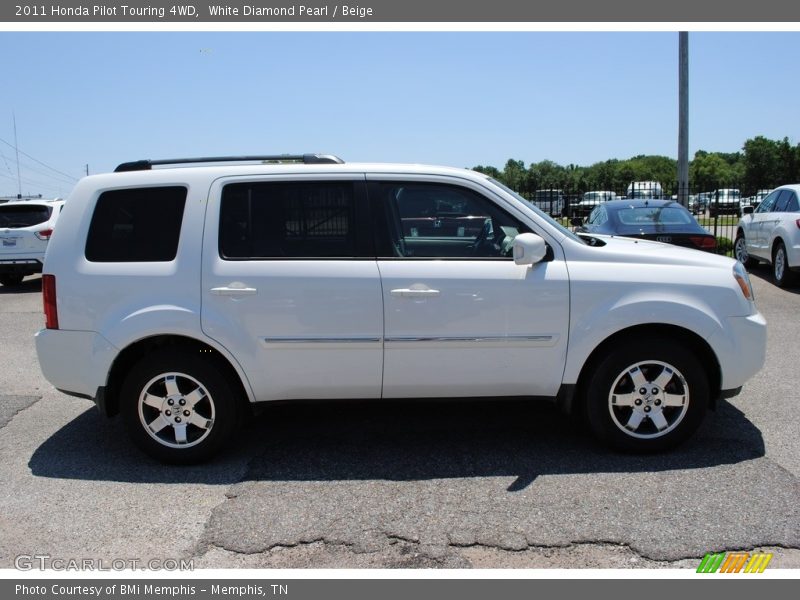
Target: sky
(462, 99)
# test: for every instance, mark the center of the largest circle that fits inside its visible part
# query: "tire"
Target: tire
(208, 406)
(8, 280)
(740, 252)
(674, 402)
(780, 266)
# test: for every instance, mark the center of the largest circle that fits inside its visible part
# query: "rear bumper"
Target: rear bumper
(20, 265)
(75, 362)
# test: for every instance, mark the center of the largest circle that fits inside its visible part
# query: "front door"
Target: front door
(461, 318)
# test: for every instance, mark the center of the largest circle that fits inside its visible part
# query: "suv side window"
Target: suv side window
(793, 205)
(434, 220)
(782, 202)
(136, 225)
(768, 202)
(274, 220)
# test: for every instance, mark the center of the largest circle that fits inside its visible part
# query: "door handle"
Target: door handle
(409, 293)
(234, 291)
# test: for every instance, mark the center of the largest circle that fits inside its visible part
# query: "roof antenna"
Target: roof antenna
(16, 148)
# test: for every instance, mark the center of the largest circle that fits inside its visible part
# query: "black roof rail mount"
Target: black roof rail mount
(308, 159)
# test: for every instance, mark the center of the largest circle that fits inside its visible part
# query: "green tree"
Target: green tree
(710, 170)
(761, 163)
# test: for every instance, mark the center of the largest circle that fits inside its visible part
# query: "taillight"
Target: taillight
(49, 300)
(703, 242)
(44, 234)
(797, 223)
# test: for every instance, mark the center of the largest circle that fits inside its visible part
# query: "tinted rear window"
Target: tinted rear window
(136, 225)
(287, 220)
(652, 215)
(14, 217)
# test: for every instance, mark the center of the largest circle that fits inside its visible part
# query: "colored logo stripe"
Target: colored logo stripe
(757, 563)
(711, 562)
(734, 562)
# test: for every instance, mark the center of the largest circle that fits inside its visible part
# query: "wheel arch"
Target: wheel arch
(137, 350)
(699, 346)
(774, 246)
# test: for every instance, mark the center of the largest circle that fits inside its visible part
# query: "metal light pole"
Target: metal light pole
(683, 118)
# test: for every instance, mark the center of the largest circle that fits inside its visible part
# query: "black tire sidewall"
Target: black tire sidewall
(606, 372)
(205, 371)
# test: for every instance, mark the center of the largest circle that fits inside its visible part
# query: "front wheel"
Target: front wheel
(740, 252)
(178, 407)
(647, 396)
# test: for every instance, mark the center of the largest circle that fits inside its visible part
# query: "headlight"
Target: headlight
(743, 279)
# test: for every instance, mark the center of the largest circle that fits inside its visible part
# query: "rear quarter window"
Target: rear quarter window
(136, 225)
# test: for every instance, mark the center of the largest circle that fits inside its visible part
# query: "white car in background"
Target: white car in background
(771, 234)
(25, 230)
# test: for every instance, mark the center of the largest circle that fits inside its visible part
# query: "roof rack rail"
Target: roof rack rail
(308, 159)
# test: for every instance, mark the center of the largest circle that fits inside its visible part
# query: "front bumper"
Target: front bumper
(741, 349)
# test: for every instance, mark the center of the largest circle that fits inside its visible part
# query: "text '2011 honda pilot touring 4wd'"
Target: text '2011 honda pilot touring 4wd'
(179, 295)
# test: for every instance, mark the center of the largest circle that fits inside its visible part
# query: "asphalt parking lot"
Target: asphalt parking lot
(502, 484)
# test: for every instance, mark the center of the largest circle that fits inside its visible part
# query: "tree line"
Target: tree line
(761, 164)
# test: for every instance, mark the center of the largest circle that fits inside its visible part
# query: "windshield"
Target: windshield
(649, 215)
(23, 215)
(535, 209)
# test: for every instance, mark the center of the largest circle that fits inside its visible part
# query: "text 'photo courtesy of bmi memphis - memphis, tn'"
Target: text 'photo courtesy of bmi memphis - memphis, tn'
(181, 293)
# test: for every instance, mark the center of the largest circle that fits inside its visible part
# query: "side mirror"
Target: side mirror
(748, 210)
(528, 249)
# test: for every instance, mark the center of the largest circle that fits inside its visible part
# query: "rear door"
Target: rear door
(755, 236)
(290, 285)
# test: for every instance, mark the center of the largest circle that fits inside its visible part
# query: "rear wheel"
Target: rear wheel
(179, 408)
(740, 251)
(648, 395)
(780, 266)
(11, 279)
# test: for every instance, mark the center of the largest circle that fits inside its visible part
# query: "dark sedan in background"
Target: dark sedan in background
(660, 220)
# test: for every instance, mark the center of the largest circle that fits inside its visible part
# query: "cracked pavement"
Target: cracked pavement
(417, 485)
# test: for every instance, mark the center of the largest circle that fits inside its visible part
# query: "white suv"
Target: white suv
(180, 296)
(771, 233)
(25, 229)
